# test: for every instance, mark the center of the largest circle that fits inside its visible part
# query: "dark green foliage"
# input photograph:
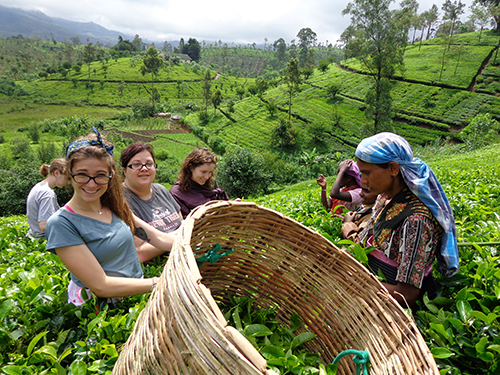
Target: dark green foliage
(47, 151)
(15, 186)
(218, 145)
(20, 148)
(34, 133)
(284, 135)
(242, 173)
(11, 89)
(142, 108)
(323, 66)
(204, 117)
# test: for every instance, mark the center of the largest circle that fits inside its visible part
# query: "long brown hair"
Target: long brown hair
(113, 198)
(197, 157)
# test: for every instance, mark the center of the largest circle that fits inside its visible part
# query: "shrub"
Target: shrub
(15, 186)
(242, 173)
(47, 152)
(482, 130)
(204, 117)
(142, 108)
(20, 148)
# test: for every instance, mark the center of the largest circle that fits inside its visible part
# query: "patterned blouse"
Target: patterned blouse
(407, 233)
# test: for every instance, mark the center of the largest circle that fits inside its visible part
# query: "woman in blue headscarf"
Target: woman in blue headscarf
(413, 221)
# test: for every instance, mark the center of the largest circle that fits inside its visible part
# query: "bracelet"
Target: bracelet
(155, 281)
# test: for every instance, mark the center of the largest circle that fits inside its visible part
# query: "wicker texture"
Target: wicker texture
(281, 263)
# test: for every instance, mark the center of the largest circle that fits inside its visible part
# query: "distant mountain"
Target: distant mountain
(31, 23)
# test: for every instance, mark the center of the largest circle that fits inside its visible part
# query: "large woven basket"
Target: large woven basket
(281, 263)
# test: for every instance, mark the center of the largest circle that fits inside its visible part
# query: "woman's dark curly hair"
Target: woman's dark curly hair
(197, 157)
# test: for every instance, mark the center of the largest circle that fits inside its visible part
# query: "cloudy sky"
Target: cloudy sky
(229, 20)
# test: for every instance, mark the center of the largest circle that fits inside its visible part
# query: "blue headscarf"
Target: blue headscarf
(89, 142)
(386, 147)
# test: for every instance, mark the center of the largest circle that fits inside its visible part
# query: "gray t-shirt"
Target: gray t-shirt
(112, 244)
(40, 205)
(161, 211)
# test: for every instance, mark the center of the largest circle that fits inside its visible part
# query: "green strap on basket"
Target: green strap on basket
(361, 357)
(212, 255)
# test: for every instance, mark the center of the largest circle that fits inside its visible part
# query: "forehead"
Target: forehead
(206, 167)
(90, 164)
(144, 154)
(367, 167)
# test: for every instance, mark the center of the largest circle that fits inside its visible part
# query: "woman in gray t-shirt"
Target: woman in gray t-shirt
(150, 201)
(42, 200)
(92, 233)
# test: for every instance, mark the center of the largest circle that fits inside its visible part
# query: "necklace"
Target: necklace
(98, 211)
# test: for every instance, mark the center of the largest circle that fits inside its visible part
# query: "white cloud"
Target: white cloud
(228, 20)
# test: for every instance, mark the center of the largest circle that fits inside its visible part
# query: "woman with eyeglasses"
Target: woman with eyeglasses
(149, 201)
(93, 234)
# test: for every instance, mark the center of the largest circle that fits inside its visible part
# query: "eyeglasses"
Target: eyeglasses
(100, 179)
(148, 165)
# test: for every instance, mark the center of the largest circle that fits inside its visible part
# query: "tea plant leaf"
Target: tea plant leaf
(5, 308)
(494, 347)
(441, 353)
(464, 308)
(49, 351)
(439, 328)
(12, 370)
(301, 339)
(295, 322)
(257, 330)
(78, 368)
(272, 352)
(33, 342)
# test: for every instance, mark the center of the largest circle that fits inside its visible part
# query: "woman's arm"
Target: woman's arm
(157, 242)
(42, 225)
(325, 201)
(83, 264)
(337, 185)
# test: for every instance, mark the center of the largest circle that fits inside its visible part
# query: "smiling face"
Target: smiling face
(139, 179)
(202, 173)
(89, 193)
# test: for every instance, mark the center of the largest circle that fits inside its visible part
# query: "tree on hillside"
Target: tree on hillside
(292, 50)
(151, 64)
(494, 7)
(192, 49)
(279, 47)
(452, 11)
(307, 40)
(405, 16)
(479, 16)
(139, 45)
(378, 41)
(88, 54)
(323, 66)
(429, 17)
(216, 99)
(207, 89)
(284, 135)
(292, 79)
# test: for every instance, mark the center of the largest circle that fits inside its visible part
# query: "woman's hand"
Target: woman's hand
(321, 180)
(349, 217)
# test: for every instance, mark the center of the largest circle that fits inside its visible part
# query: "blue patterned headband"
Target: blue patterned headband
(89, 142)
